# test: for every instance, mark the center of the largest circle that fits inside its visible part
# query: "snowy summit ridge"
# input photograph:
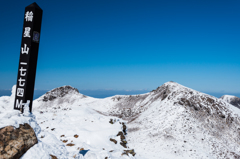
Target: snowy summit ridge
(65, 95)
(59, 92)
(179, 122)
(172, 121)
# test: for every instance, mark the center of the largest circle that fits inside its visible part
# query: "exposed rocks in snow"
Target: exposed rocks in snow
(232, 100)
(177, 115)
(172, 121)
(70, 144)
(111, 121)
(122, 137)
(166, 117)
(124, 127)
(126, 152)
(122, 134)
(53, 157)
(130, 107)
(14, 142)
(65, 141)
(113, 140)
(76, 136)
(59, 92)
(54, 100)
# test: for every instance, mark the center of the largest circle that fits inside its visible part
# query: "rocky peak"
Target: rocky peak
(196, 101)
(169, 85)
(232, 100)
(59, 92)
(172, 90)
(176, 94)
(129, 107)
(178, 114)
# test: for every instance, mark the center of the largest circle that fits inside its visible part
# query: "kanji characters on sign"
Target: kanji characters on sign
(25, 49)
(28, 57)
(22, 71)
(27, 32)
(22, 66)
(29, 16)
(21, 82)
(20, 92)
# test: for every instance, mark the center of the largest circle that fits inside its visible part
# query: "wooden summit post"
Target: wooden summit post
(28, 56)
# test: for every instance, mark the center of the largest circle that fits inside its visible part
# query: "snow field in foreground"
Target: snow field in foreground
(63, 133)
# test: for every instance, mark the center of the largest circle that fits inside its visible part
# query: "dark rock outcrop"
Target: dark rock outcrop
(14, 142)
(126, 152)
(113, 140)
(59, 92)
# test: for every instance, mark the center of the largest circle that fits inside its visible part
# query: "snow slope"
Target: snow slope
(63, 127)
(232, 100)
(185, 123)
(172, 121)
(49, 145)
(70, 116)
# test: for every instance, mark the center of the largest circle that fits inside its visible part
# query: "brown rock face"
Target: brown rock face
(15, 142)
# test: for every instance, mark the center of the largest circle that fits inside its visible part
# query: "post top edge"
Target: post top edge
(33, 5)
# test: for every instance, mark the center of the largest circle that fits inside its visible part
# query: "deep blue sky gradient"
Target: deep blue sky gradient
(128, 44)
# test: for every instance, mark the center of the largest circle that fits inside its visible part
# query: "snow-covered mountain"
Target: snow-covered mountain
(232, 100)
(172, 121)
(177, 122)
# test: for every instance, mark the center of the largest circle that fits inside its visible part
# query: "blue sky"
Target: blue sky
(128, 44)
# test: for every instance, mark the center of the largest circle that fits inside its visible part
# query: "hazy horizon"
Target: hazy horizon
(101, 93)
